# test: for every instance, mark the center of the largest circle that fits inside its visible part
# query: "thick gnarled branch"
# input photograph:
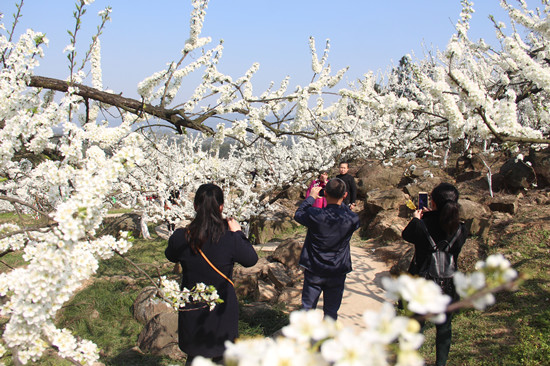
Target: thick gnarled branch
(173, 116)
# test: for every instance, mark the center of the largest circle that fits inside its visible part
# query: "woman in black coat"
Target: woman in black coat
(442, 222)
(201, 331)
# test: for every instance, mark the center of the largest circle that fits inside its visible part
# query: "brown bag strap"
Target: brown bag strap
(216, 269)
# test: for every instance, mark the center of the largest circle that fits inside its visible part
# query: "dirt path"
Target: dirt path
(363, 287)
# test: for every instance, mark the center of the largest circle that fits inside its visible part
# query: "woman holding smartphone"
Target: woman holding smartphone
(207, 250)
(321, 181)
(442, 222)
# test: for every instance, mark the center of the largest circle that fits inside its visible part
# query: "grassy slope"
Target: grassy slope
(516, 330)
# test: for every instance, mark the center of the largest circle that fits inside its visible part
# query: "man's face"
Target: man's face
(343, 168)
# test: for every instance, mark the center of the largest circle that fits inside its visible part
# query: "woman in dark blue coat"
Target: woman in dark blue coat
(442, 222)
(201, 331)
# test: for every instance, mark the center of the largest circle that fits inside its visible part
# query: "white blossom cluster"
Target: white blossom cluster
(178, 298)
(471, 91)
(70, 193)
(492, 273)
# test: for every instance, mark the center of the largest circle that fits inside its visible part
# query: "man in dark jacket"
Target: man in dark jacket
(351, 188)
(326, 253)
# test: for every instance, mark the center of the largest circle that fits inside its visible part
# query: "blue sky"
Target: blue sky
(144, 35)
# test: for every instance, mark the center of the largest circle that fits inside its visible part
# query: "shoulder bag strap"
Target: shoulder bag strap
(216, 269)
(432, 243)
(455, 237)
(430, 239)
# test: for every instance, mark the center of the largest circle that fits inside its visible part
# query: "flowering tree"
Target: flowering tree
(471, 91)
(62, 163)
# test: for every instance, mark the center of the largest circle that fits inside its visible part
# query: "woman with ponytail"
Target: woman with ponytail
(442, 222)
(207, 250)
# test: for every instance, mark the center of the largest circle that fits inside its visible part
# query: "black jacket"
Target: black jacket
(351, 188)
(201, 331)
(326, 250)
(414, 233)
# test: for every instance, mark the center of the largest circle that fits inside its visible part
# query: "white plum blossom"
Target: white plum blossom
(421, 296)
(178, 299)
(307, 326)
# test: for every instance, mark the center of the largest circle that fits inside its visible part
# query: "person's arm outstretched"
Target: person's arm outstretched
(301, 215)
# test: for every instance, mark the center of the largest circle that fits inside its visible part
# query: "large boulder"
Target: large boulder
(508, 204)
(276, 272)
(402, 265)
(476, 216)
(160, 336)
(147, 305)
(387, 199)
(515, 175)
(113, 225)
(291, 297)
(387, 225)
(288, 252)
(541, 165)
(246, 278)
(264, 229)
(374, 176)
(266, 292)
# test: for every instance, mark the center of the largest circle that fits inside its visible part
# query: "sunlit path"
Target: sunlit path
(363, 287)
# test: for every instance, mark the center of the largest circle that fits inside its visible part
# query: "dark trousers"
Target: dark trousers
(443, 334)
(332, 289)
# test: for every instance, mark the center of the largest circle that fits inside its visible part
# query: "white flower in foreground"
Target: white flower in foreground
(350, 349)
(287, 352)
(409, 358)
(469, 284)
(201, 361)
(497, 270)
(421, 296)
(385, 324)
(306, 325)
(410, 338)
(247, 352)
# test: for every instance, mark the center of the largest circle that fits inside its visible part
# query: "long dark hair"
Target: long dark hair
(445, 197)
(208, 222)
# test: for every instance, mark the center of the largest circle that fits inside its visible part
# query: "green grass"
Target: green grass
(516, 330)
(102, 313)
(263, 323)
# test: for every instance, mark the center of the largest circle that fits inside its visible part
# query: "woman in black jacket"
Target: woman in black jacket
(209, 238)
(442, 222)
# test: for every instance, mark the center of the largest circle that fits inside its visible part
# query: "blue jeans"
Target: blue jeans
(332, 289)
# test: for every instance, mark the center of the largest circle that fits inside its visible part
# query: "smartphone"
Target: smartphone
(422, 200)
(322, 193)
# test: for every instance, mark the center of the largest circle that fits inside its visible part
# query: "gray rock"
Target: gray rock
(112, 225)
(402, 265)
(517, 175)
(373, 176)
(541, 166)
(160, 336)
(266, 292)
(507, 204)
(387, 224)
(276, 272)
(288, 252)
(264, 229)
(291, 297)
(388, 199)
(147, 306)
(476, 216)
